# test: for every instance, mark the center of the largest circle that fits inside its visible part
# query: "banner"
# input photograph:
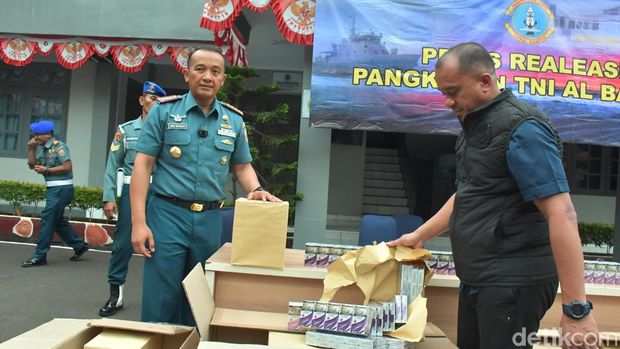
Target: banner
(374, 62)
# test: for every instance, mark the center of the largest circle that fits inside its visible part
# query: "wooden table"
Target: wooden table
(239, 291)
(254, 301)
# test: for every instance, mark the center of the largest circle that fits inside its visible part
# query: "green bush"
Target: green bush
(597, 234)
(20, 194)
(87, 199)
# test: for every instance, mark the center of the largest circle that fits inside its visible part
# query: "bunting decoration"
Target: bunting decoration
(18, 52)
(128, 56)
(220, 14)
(257, 5)
(102, 49)
(179, 56)
(295, 18)
(44, 47)
(159, 50)
(74, 54)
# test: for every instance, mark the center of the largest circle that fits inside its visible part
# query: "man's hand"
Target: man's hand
(412, 239)
(581, 333)
(32, 143)
(40, 169)
(140, 236)
(263, 195)
(109, 209)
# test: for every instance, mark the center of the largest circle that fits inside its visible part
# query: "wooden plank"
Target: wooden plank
(272, 293)
(259, 320)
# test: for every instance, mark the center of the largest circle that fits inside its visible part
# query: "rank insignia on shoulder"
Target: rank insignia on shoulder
(55, 142)
(167, 99)
(232, 108)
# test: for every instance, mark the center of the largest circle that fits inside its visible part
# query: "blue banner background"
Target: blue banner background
(357, 37)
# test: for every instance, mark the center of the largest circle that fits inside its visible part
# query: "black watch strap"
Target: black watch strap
(577, 310)
(259, 188)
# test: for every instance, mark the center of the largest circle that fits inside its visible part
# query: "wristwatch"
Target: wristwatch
(259, 188)
(577, 310)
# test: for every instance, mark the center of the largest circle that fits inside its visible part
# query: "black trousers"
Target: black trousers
(502, 317)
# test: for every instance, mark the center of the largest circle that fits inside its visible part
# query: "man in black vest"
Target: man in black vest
(512, 224)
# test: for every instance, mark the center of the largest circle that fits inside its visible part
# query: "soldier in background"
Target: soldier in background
(50, 157)
(116, 183)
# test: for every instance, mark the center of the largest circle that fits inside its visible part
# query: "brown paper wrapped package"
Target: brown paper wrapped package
(259, 233)
(375, 270)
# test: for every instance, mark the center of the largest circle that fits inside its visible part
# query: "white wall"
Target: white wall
(595, 209)
(80, 121)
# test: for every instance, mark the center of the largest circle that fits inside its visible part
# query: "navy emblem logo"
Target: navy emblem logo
(530, 21)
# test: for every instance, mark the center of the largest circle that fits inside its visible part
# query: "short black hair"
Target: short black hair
(472, 58)
(207, 49)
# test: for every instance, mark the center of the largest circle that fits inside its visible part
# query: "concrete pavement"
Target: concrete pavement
(30, 297)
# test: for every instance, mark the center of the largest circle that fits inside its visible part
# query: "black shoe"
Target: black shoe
(79, 253)
(114, 303)
(110, 308)
(34, 262)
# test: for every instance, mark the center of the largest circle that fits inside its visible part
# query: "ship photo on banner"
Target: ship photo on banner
(374, 62)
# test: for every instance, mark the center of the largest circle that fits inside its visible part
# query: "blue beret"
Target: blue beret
(153, 88)
(42, 127)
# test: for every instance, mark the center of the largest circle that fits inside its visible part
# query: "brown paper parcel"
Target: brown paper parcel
(259, 233)
(375, 270)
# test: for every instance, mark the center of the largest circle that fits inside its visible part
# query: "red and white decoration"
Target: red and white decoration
(220, 14)
(73, 54)
(257, 5)
(15, 51)
(295, 18)
(129, 57)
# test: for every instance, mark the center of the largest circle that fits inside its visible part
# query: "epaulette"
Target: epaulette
(167, 99)
(233, 108)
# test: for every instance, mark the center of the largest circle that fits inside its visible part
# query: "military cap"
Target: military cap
(153, 88)
(42, 127)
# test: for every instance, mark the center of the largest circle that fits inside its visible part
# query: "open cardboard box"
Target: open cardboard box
(74, 333)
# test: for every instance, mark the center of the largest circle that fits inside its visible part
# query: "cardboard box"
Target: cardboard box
(75, 333)
(259, 233)
(112, 339)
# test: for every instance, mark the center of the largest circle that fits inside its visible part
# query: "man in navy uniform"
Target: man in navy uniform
(120, 164)
(194, 140)
(50, 157)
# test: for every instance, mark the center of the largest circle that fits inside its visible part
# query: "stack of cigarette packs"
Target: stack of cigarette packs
(320, 255)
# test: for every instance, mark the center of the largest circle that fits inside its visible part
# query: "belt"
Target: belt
(59, 182)
(127, 179)
(191, 205)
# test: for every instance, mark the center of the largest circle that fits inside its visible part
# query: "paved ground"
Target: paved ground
(30, 297)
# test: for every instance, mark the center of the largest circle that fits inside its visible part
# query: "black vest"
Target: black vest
(497, 238)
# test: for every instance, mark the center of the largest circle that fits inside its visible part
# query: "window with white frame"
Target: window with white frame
(592, 169)
(27, 94)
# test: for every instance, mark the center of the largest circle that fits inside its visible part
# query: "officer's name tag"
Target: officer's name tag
(226, 132)
(176, 126)
(132, 138)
